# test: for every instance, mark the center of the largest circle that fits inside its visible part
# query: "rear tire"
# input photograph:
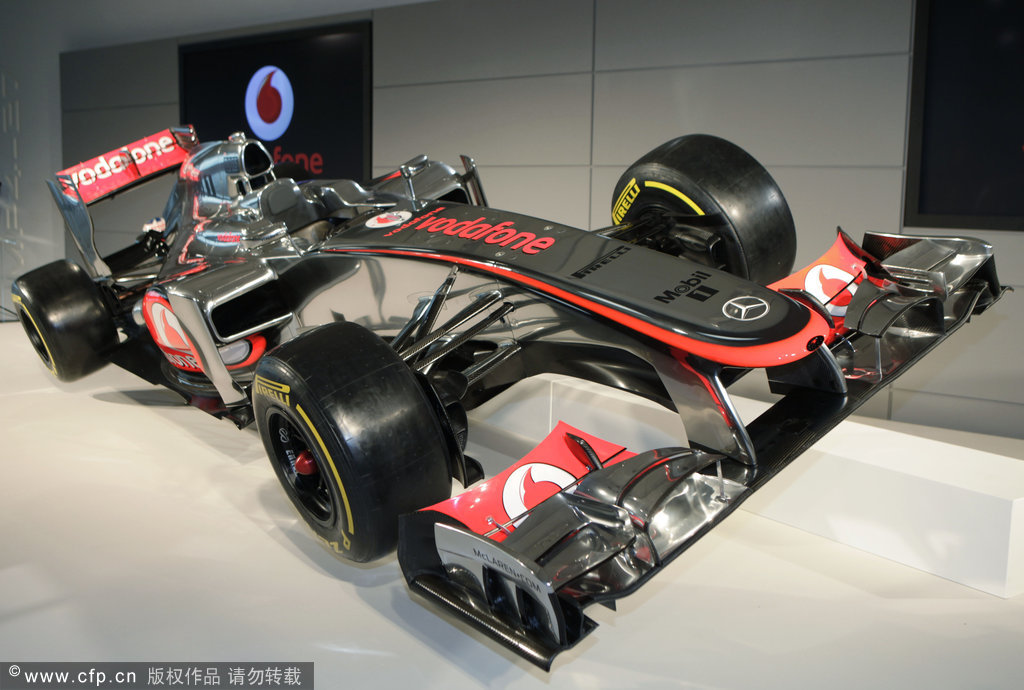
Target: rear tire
(66, 318)
(699, 174)
(351, 435)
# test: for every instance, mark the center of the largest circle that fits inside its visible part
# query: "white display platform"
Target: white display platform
(134, 528)
(947, 510)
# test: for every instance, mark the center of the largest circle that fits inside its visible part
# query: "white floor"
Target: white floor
(133, 528)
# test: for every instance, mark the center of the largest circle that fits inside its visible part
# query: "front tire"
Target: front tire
(351, 435)
(66, 318)
(699, 174)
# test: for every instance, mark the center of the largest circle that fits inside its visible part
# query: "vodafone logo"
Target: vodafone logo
(116, 163)
(167, 332)
(833, 287)
(504, 233)
(531, 484)
(269, 103)
(389, 219)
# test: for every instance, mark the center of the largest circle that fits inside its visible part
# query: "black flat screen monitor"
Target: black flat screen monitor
(965, 163)
(305, 94)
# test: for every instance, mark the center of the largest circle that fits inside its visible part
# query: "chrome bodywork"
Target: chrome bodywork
(79, 225)
(233, 250)
(246, 253)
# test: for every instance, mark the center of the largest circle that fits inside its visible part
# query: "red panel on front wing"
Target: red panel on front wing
(832, 279)
(544, 471)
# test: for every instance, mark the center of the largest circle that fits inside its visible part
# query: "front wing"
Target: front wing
(521, 565)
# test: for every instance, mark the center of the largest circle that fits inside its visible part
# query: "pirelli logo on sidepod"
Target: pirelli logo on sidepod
(272, 389)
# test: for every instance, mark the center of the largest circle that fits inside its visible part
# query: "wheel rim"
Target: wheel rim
(310, 490)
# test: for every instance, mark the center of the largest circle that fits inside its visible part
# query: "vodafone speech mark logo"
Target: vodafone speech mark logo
(530, 484)
(269, 103)
(833, 287)
(388, 220)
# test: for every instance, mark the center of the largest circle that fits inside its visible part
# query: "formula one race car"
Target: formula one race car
(356, 325)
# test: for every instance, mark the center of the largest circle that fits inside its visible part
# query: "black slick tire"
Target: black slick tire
(66, 319)
(351, 435)
(699, 174)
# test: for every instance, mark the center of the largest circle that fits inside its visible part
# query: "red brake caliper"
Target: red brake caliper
(305, 464)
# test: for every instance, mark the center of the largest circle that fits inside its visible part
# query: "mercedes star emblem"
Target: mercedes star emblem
(746, 308)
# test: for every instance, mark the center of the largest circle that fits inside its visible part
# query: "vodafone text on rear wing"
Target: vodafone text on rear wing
(92, 180)
(121, 168)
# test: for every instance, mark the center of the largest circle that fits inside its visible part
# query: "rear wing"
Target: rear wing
(123, 167)
(90, 181)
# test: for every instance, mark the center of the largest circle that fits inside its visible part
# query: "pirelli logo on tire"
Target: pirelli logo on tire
(272, 389)
(632, 190)
(625, 200)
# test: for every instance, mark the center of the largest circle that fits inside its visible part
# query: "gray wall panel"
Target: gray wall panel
(138, 74)
(557, 193)
(661, 33)
(603, 182)
(466, 39)
(957, 412)
(89, 133)
(837, 112)
(529, 121)
(856, 199)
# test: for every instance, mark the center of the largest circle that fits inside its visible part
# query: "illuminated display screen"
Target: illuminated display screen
(305, 94)
(965, 164)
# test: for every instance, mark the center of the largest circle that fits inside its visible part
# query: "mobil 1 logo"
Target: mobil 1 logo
(692, 287)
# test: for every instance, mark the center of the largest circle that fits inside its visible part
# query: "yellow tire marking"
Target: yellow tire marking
(49, 365)
(334, 470)
(676, 193)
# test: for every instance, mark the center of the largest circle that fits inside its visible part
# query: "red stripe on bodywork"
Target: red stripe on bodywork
(767, 355)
